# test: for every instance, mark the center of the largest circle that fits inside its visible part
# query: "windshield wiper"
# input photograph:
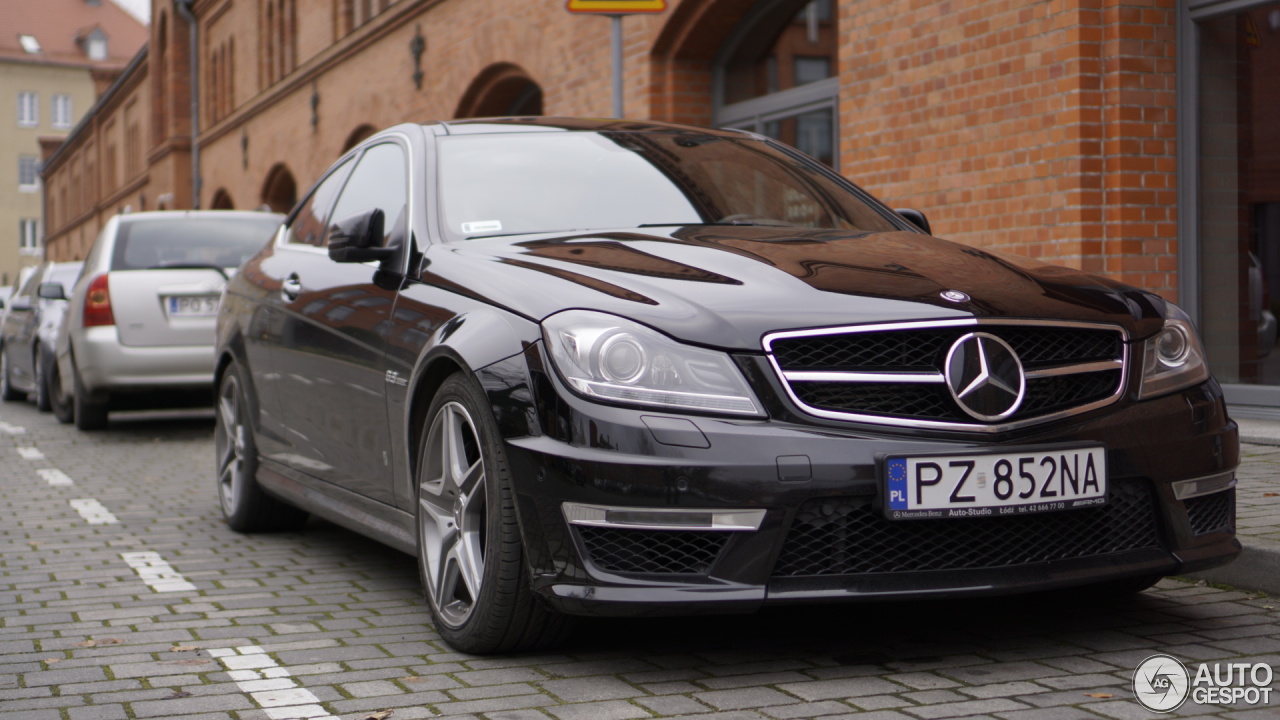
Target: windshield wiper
(192, 266)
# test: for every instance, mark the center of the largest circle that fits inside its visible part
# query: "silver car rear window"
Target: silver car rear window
(219, 242)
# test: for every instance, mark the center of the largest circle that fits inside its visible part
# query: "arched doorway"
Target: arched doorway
(682, 57)
(768, 67)
(222, 201)
(501, 89)
(280, 191)
(776, 75)
(357, 136)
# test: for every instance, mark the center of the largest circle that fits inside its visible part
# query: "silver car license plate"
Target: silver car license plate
(193, 305)
(994, 484)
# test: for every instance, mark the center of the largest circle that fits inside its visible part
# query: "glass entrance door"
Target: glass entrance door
(1237, 225)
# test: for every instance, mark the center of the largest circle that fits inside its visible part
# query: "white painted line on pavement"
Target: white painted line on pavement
(269, 684)
(93, 511)
(156, 573)
(30, 453)
(11, 429)
(54, 476)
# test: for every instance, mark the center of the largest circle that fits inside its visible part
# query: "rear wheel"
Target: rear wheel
(89, 415)
(244, 504)
(469, 548)
(40, 363)
(7, 393)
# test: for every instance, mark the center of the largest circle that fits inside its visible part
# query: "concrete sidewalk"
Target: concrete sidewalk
(1257, 511)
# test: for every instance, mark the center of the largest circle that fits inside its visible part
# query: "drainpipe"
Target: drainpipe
(184, 9)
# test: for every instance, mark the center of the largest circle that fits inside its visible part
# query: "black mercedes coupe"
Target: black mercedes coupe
(602, 367)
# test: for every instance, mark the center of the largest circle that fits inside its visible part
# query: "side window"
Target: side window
(378, 182)
(308, 225)
(32, 283)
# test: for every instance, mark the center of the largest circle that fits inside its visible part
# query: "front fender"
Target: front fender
(476, 337)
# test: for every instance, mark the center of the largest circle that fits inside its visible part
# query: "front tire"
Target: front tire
(41, 365)
(7, 393)
(244, 504)
(58, 400)
(469, 548)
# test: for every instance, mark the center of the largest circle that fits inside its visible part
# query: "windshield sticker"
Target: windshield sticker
(483, 226)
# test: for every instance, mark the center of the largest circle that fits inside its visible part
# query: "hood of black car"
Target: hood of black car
(728, 286)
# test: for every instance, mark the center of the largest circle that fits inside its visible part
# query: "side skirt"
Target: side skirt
(388, 525)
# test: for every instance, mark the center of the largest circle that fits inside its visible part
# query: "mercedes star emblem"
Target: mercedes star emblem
(985, 376)
(954, 296)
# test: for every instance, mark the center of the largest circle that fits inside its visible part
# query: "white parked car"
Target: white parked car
(29, 330)
(139, 333)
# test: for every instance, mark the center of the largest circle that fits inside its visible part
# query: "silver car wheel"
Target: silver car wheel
(229, 445)
(452, 500)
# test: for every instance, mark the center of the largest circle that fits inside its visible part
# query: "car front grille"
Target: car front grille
(849, 536)
(895, 374)
(667, 552)
(1212, 513)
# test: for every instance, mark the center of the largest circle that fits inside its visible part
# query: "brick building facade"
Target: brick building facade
(1053, 129)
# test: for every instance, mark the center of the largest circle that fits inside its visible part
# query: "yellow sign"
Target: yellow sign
(617, 7)
(1250, 32)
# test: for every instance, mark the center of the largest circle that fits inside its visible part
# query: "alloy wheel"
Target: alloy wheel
(229, 444)
(452, 527)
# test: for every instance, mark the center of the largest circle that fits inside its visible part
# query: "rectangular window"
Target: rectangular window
(62, 111)
(28, 172)
(28, 109)
(28, 236)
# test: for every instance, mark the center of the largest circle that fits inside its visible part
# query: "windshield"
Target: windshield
(186, 242)
(64, 273)
(506, 184)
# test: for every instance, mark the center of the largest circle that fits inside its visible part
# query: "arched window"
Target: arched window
(501, 89)
(776, 75)
(357, 136)
(222, 200)
(279, 190)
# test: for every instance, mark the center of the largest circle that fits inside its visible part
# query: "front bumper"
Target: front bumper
(822, 536)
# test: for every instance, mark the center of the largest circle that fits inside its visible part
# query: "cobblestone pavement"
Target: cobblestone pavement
(1258, 495)
(123, 595)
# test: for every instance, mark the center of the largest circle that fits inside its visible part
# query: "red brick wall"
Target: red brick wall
(1044, 128)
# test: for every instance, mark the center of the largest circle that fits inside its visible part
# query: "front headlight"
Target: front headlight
(610, 358)
(1173, 359)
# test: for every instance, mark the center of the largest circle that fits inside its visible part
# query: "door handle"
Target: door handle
(291, 288)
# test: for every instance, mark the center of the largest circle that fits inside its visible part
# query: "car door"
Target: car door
(331, 352)
(20, 326)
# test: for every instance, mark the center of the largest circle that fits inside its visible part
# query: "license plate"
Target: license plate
(994, 484)
(193, 306)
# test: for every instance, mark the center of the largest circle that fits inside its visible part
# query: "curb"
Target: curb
(1256, 568)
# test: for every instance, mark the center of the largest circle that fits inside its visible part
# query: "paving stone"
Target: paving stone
(806, 710)
(590, 688)
(609, 710)
(343, 618)
(744, 698)
(964, 709)
(847, 687)
(672, 705)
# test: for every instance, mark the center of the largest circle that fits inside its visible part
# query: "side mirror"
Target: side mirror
(357, 238)
(51, 291)
(915, 217)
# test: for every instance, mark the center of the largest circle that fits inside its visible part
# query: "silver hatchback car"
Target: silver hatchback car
(139, 333)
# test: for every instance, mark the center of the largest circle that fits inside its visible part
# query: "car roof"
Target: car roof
(194, 214)
(475, 126)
